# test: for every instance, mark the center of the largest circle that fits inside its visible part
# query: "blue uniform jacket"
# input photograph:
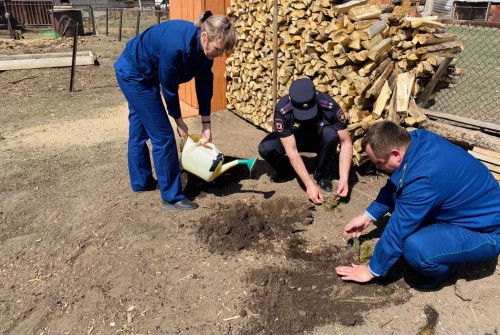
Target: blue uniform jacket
(170, 53)
(329, 115)
(437, 182)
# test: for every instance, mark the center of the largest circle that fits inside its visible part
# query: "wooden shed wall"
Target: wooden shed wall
(189, 10)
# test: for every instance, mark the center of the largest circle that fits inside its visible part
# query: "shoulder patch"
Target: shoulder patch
(341, 116)
(325, 104)
(278, 125)
(286, 109)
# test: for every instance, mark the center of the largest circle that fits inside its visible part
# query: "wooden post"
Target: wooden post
(138, 23)
(428, 8)
(92, 19)
(73, 60)
(275, 53)
(107, 22)
(120, 23)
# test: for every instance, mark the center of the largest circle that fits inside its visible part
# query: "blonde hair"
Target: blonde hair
(217, 27)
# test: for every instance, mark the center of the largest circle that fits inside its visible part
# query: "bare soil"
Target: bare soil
(81, 253)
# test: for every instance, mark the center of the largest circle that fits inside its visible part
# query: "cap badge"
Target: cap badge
(305, 106)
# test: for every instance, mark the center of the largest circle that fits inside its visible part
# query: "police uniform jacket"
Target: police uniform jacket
(437, 182)
(170, 54)
(329, 115)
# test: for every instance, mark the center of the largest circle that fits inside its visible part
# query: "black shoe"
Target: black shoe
(422, 282)
(280, 178)
(184, 204)
(325, 185)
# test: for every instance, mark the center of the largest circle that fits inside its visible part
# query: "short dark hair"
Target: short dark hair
(385, 135)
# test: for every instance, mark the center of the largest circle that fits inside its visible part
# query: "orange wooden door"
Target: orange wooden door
(188, 10)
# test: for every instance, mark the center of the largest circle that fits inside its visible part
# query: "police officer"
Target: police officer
(307, 120)
(157, 61)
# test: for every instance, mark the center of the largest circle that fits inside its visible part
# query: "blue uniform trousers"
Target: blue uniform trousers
(148, 119)
(437, 249)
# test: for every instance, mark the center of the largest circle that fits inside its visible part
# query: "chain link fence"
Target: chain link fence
(475, 92)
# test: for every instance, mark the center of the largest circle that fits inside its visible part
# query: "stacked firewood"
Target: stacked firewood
(372, 60)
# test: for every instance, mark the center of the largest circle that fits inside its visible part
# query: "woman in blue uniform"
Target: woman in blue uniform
(157, 61)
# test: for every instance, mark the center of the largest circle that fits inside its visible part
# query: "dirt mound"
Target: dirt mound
(303, 293)
(239, 226)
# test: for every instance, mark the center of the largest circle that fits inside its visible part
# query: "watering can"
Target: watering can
(206, 161)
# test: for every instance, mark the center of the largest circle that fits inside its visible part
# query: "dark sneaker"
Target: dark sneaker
(280, 178)
(325, 185)
(184, 204)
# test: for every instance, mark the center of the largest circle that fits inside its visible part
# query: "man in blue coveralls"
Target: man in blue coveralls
(444, 205)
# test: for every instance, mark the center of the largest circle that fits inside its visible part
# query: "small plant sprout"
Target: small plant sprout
(333, 204)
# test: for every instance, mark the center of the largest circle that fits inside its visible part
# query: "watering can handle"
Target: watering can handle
(207, 145)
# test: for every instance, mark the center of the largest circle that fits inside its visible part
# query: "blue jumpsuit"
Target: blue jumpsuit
(445, 209)
(160, 58)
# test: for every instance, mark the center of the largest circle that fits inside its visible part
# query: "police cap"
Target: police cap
(303, 98)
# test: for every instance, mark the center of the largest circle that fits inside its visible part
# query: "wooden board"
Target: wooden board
(36, 61)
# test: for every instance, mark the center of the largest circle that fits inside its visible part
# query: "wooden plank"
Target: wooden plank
(44, 55)
(492, 167)
(20, 62)
(486, 152)
(464, 120)
(486, 158)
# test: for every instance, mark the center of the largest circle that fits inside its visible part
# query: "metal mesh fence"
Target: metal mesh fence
(475, 94)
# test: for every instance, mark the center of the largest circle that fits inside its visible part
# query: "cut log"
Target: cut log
(344, 8)
(381, 101)
(365, 12)
(382, 47)
(428, 39)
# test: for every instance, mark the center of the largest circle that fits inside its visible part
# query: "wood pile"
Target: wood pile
(374, 61)
(489, 158)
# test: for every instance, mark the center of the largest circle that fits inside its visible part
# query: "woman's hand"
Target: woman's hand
(182, 128)
(206, 132)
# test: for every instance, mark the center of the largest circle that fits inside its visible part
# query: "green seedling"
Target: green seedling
(357, 245)
(1, 136)
(364, 252)
(333, 204)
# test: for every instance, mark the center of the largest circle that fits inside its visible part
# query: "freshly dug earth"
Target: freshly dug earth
(81, 253)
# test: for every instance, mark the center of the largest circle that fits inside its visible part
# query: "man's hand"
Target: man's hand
(315, 195)
(358, 273)
(354, 228)
(343, 188)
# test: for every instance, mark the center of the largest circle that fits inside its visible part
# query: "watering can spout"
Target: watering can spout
(250, 162)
